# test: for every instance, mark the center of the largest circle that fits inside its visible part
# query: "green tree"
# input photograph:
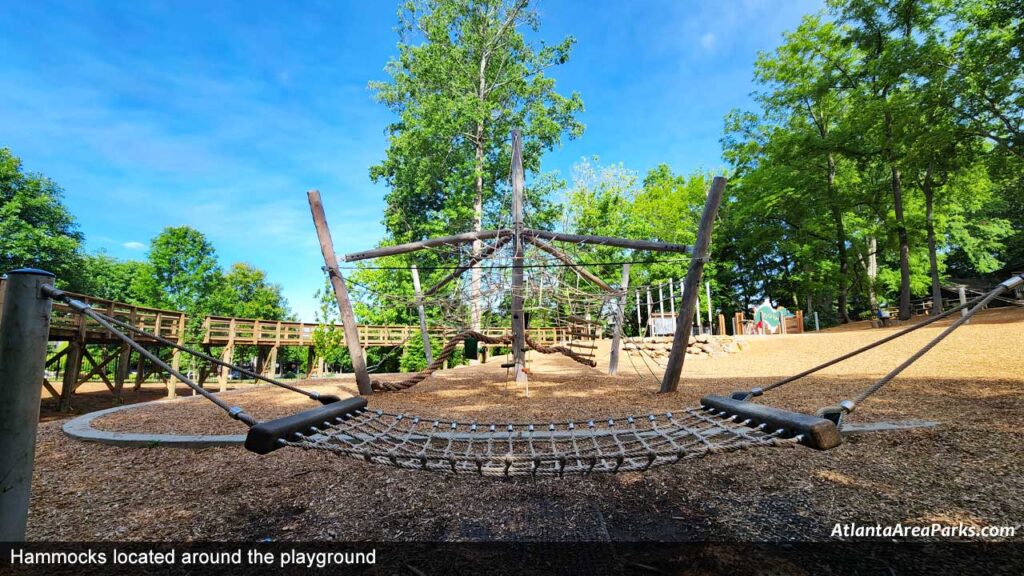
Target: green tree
(36, 229)
(245, 293)
(128, 281)
(465, 77)
(185, 270)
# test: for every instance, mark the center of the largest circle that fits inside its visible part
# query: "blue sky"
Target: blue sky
(221, 115)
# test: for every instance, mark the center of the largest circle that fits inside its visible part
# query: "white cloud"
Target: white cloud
(134, 245)
(707, 41)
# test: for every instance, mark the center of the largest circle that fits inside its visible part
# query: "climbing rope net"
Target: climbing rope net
(718, 425)
(570, 312)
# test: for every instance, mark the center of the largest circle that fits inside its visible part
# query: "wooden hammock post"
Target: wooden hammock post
(348, 317)
(518, 321)
(613, 362)
(691, 286)
(24, 330)
(423, 316)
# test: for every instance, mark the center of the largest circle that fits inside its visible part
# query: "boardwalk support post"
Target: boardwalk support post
(24, 331)
(691, 286)
(348, 317)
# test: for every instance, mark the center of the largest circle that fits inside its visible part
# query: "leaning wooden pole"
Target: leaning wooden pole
(620, 317)
(423, 316)
(691, 286)
(348, 317)
(24, 330)
(518, 318)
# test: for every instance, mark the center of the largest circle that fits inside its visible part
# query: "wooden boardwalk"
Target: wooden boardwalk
(84, 351)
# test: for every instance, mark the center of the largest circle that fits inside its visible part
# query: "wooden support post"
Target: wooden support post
(24, 330)
(271, 368)
(518, 319)
(423, 315)
(613, 362)
(800, 321)
(72, 365)
(348, 317)
(661, 300)
(140, 372)
(124, 360)
(962, 293)
(721, 324)
(691, 286)
(737, 324)
(226, 356)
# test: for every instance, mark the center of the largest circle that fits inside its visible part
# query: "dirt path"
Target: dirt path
(968, 470)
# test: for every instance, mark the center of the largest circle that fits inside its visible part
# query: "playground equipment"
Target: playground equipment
(517, 238)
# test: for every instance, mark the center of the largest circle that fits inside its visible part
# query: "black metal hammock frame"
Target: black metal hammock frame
(720, 424)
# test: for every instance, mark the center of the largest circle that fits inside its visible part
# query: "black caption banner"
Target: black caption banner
(548, 558)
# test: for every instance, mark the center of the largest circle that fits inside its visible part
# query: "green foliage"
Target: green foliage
(244, 292)
(328, 337)
(465, 77)
(128, 281)
(413, 358)
(868, 168)
(185, 269)
(36, 229)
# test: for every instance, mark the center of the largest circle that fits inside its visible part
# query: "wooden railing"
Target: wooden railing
(221, 330)
(66, 324)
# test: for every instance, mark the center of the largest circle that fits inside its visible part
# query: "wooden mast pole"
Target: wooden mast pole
(423, 315)
(518, 320)
(691, 286)
(620, 317)
(348, 317)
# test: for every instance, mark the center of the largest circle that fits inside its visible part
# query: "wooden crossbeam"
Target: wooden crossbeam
(56, 357)
(483, 255)
(562, 256)
(49, 388)
(97, 368)
(464, 238)
(609, 241)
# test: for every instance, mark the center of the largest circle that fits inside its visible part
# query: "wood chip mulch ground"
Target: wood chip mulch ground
(968, 470)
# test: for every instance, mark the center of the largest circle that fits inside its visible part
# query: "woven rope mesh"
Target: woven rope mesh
(633, 443)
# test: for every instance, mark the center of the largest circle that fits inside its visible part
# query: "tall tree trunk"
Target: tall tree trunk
(933, 259)
(840, 228)
(478, 224)
(901, 233)
(901, 224)
(478, 201)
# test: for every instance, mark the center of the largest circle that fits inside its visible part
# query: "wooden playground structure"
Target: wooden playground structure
(82, 351)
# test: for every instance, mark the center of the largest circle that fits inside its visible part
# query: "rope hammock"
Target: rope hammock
(719, 425)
